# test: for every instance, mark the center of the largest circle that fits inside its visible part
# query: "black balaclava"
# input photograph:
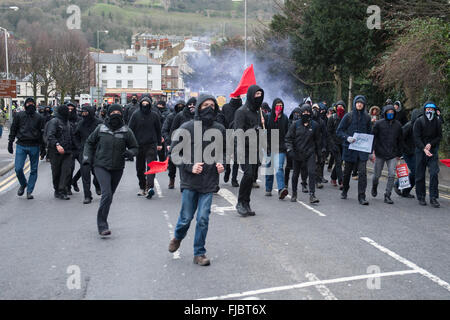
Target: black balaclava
(146, 109)
(236, 102)
(63, 112)
(253, 103)
(30, 106)
(306, 118)
(134, 99)
(207, 116)
(115, 120)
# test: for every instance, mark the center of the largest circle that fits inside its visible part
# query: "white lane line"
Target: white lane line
(408, 263)
(228, 195)
(306, 206)
(311, 283)
(323, 290)
(176, 254)
(158, 189)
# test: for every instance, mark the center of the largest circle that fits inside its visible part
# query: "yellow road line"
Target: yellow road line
(10, 183)
(13, 175)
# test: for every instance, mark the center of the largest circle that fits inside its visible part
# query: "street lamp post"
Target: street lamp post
(7, 64)
(245, 30)
(98, 64)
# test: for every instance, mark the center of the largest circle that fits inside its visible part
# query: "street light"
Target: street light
(98, 63)
(245, 32)
(7, 64)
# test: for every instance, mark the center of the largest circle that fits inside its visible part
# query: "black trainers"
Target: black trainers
(362, 201)
(21, 190)
(294, 197)
(98, 191)
(150, 193)
(63, 196)
(234, 184)
(283, 193)
(313, 199)
(304, 189)
(226, 177)
(87, 200)
(75, 187)
(30, 196)
(250, 212)
(374, 190)
(422, 202)
(387, 199)
(434, 203)
(241, 209)
(344, 195)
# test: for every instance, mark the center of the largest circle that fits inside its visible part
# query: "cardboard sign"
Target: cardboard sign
(363, 142)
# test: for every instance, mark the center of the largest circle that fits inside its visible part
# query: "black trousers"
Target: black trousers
(319, 167)
(75, 157)
(146, 154)
(109, 180)
(336, 174)
(245, 187)
(233, 169)
(172, 169)
(287, 170)
(362, 176)
(308, 165)
(84, 173)
(422, 162)
(162, 152)
(61, 165)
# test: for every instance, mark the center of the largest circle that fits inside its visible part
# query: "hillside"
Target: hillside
(124, 17)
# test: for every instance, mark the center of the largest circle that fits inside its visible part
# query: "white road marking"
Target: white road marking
(306, 206)
(311, 283)
(323, 290)
(158, 189)
(408, 263)
(176, 254)
(221, 210)
(229, 196)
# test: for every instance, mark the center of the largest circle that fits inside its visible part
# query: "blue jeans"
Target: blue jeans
(21, 156)
(190, 202)
(1, 131)
(278, 163)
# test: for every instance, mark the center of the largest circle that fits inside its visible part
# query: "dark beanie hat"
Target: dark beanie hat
(115, 107)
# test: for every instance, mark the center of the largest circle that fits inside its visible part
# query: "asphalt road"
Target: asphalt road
(338, 249)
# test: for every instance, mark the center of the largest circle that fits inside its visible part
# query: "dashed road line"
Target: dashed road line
(408, 263)
(158, 189)
(176, 254)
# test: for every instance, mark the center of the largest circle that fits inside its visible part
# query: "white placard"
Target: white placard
(403, 183)
(363, 142)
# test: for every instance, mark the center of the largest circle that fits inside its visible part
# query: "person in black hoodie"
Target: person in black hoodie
(60, 147)
(427, 136)
(106, 150)
(387, 147)
(146, 126)
(303, 144)
(199, 180)
(185, 116)
(130, 108)
(179, 106)
(335, 143)
(409, 154)
(83, 130)
(317, 117)
(73, 122)
(248, 117)
(164, 112)
(27, 126)
(276, 120)
(400, 115)
(293, 117)
(228, 111)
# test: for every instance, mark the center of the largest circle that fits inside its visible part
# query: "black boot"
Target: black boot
(344, 194)
(304, 188)
(387, 199)
(422, 202)
(226, 177)
(249, 210)
(374, 190)
(294, 197)
(241, 209)
(313, 199)
(434, 203)
(362, 200)
(235, 184)
(21, 190)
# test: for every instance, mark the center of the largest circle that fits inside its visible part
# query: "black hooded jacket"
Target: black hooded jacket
(86, 126)
(303, 141)
(282, 124)
(248, 116)
(334, 142)
(129, 110)
(179, 106)
(409, 146)
(388, 136)
(182, 117)
(426, 131)
(229, 109)
(27, 128)
(401, 114)
(208, 180)
(146, 126)
(59, 131)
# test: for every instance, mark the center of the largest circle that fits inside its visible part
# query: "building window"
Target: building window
(42, 89)
(130, 84)
(18, 89)
(150, 84)
(104, 83)
(169, 72)
(149, 70)
(130, 69)
(104, 69)
(169, 85)
(119, 69)
(118, 83)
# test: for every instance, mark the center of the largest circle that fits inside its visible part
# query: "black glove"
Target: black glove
(10, 147)
(43, 153)
(128, 155)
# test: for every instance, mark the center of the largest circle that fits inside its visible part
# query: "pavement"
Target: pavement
(6, 159)
(336, 249)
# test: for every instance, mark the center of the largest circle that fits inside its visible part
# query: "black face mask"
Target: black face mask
(207, 116)
(146, 108)
(115, 121)
(134, 100)
(259, 101)
(296, 116)
(63, 111)
(30, 109)
(306, 118)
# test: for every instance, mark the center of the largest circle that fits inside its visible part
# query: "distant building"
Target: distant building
(127, 74)
(172, 81)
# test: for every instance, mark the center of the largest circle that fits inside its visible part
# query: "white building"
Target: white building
(122, 73)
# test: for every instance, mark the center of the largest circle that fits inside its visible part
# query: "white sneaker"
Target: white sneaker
(142, 193)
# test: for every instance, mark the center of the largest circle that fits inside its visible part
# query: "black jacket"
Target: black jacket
(182, 117)
(85, 127)
(282, 124)
(208, 180)
(409, 146)
(426, 131)
(169, 120)
(228, 110)
(322, 130)
(129, 110)
(388, 137)
(303, 141)
(146, 127)
(163, 114)
(401, 114)
(28, 129)
(59, 131)
(334, 142)
(106, 148)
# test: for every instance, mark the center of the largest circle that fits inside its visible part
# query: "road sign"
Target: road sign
(8, 89)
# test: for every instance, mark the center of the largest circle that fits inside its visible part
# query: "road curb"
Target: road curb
(442, 188)
(6, 168)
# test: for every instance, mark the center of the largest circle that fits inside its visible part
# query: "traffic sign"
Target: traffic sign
(8, 89)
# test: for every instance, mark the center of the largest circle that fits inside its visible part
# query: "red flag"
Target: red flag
(158, 166)
(446, 162)
(248, 79)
